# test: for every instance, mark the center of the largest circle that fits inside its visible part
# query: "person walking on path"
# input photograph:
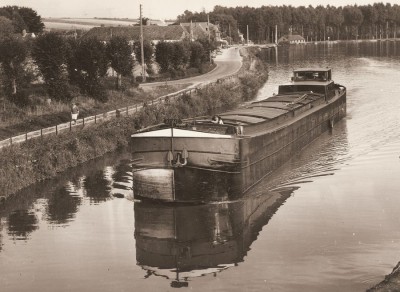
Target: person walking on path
(74, 113)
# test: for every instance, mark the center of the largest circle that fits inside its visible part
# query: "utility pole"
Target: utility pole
(209, 37)
(191, 31)
(208, 27)
(141, 46)
(230, 37)
(247, 34)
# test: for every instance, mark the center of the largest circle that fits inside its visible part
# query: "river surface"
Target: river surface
(328, 220)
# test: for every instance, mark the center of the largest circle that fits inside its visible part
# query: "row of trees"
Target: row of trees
(315, 23)
(66, 62)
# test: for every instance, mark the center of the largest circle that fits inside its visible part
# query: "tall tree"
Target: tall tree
(50, 54)
(164, 50)
(197, 54)
(188, 16)
(90, 60)
(370, 18)
(227, 25)
(13, 53)
(208, 47)
(11, 12)
(32, 20)
(120, 55)
(320, 22)
(382, 17)
(353, 18)
(6, 27)
(180, 55)
(335, 19)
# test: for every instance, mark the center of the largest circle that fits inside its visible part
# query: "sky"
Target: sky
(157, 9)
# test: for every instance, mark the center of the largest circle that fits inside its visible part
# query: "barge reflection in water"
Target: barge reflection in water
(180, 242)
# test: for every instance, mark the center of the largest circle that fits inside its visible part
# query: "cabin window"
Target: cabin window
(286, 89)
(311, 75)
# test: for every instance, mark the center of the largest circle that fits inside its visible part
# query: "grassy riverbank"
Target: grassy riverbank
(15, 121)
(39, 159)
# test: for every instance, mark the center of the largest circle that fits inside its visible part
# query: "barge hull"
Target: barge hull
(279, 146)
(214, 153)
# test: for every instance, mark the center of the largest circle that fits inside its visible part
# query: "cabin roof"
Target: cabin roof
(312, 69)
(310, 82)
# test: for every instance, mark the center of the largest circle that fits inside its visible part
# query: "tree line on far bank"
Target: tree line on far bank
(313, 23)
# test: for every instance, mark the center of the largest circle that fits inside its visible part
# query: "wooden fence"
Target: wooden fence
(80, 123)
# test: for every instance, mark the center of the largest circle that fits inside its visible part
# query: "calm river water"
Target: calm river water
(328, 220)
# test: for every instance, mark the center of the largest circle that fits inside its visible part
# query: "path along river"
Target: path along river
(328, 220)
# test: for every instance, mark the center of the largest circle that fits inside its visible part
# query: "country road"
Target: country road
(228, 63)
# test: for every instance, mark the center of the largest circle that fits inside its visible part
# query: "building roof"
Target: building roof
(316, 69)
(201, 29)
(292, 37)
(196, 30)
(152, 32)
(203, 25)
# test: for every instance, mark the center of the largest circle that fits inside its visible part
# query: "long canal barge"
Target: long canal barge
(248, 142)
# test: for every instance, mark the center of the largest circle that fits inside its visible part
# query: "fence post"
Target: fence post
(26, 136)
(127, 110)
(70, 126)
(83, 122)
(56, 129)
(41, 132)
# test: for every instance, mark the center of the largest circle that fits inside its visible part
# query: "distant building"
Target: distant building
(202, 29)
(291, 39)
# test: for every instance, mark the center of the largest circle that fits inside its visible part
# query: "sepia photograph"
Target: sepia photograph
(218, 145)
